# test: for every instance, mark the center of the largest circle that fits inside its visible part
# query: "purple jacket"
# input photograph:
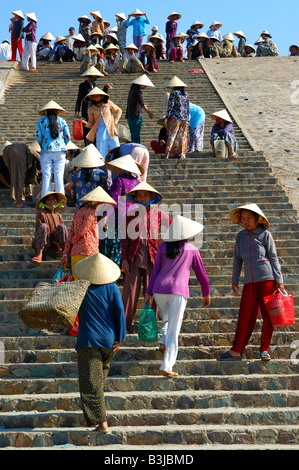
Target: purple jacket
(221, 130)
(30, 31)
(121, 185)
(171, 276)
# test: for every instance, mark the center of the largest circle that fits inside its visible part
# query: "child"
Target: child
(255, 248)
(148, 58)
(176, 50)
(29, 52)
(138, 254)
(169, 284)
(49, 228)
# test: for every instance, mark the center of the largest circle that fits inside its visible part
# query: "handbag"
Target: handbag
(54, 305)
(78, 133)
(280, 307)
(148, 325)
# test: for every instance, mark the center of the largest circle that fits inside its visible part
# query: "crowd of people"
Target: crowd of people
(106, 47)
(117, 225)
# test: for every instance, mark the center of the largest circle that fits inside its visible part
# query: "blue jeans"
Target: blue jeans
(135, 129)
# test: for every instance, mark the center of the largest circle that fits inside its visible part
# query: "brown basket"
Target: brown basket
(54, 305)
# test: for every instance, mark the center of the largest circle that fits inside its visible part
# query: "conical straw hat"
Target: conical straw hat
(84, 17)
(71, 146)
(203, 35)
(223, 114)
(112, 34)
(229, 37)
(143, 80)
(113, 30)
(59, 38)
(111, 46)
(259, 40)
(96, 13)
(235, 214)
(144, 186)
(91, 48)
(132, 46)
(97, 269)
(90, 157)
(60, 197)
(18, 13)
(136, 12)
(35, 146)
(126, 163)
(32, 16)
(52, 105)
(121, 15)
(98, 195)
(147, 44)
(250, 46)
(239, 34)
(215, 23)
(92, 72)
(95, 91)
(197, 23)
(174, 82)
(182, 228)
(79, 37)
(174, 13)
(48, 37)
(106, 23)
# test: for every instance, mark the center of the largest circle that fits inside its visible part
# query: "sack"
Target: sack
(280, 307)
(78, 133)
(124, 134)
(221, 150)
(54, 305)
(148, 325)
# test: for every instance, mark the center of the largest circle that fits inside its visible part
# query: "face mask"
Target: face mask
(93, 79)
(96, 102)
(218, 120)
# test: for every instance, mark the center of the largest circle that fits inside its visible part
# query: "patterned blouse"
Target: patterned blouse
(83, 237)
(80, 187)
(178, 106)
(43, 135)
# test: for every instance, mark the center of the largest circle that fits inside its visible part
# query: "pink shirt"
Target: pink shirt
(83, 238)
(171, 276)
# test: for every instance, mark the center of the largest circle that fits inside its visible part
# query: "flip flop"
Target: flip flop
(169, 373)
(36, 259)
(265, 356)
(228, 357)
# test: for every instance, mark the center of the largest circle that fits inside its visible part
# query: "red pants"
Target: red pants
(14, 46)
(251, 304)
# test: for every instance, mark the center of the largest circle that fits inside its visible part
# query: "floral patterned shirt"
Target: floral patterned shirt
(178, 106)
(83, 237)
(43, 135)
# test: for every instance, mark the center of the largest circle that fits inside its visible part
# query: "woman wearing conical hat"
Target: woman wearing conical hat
(223, 129)
(138, 252)
(121, 31)
(228, 49)
(50, 230)
(53, 135)
(44, 50)
(140, 19)
(85, 28)
(169, 284)
(101, 333)
(171, 29)
(215, 31)
(16, 34)
(136, 105)
(242, 41)
(29, 52)
(255, 248)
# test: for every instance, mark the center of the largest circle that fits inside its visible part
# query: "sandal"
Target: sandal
(265, 356)
(36, 259)
(102, 427)
(228, 357)
(169, 373)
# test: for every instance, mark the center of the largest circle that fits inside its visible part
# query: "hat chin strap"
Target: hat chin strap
(59, 205)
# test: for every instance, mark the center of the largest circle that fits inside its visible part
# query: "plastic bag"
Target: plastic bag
(148, 325)
(78, 133)
(280, 307)
(62, 274)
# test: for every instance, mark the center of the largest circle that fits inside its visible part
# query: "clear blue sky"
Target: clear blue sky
(279, 17)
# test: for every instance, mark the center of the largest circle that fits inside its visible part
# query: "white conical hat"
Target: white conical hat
(229, 37)
(95, 91)
(96, 13)
(126, 163)
(35, 146)
(18, 13)
(59, 38)
(71, 146)
(84, 17)
(174, 13)
(90, 157)
(32, 16)
(106, 23)
(143, 80)
(60, 197)
(259, 40)
(147, 44)
(175, 82)
(136, 12)
(79, 37)
(235, 214)
(197, 23)
(223, 114)
(132, 46)
(249, 45)
(48, 36)
(203, 35)
(239, 34)
(144, 186)
(215, 23)
(113, 30)
(92, 72)
(97, 269)
(91, 48)
(52, 105)
(182, 228)
(111, 47)
(121, 15)
(98, 195)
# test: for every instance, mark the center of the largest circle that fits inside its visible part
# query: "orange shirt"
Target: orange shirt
(83, 238)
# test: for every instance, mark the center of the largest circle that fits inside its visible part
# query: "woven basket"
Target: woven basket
(54, 305)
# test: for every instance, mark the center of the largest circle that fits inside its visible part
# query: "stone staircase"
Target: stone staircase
(210, 405)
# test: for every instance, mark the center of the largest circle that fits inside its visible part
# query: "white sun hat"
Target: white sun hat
(143, 80)
(239, 34)
(235, 214)
(229, 37)
(59, 38)
(18, 13)
(121, 15)
(175, 82)
(98, 195)
(92, 72)
(97, 269)
(48, 36)
(52, 105)
(182, 228)
(126, 163)
(222, 114)
(31, 16)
